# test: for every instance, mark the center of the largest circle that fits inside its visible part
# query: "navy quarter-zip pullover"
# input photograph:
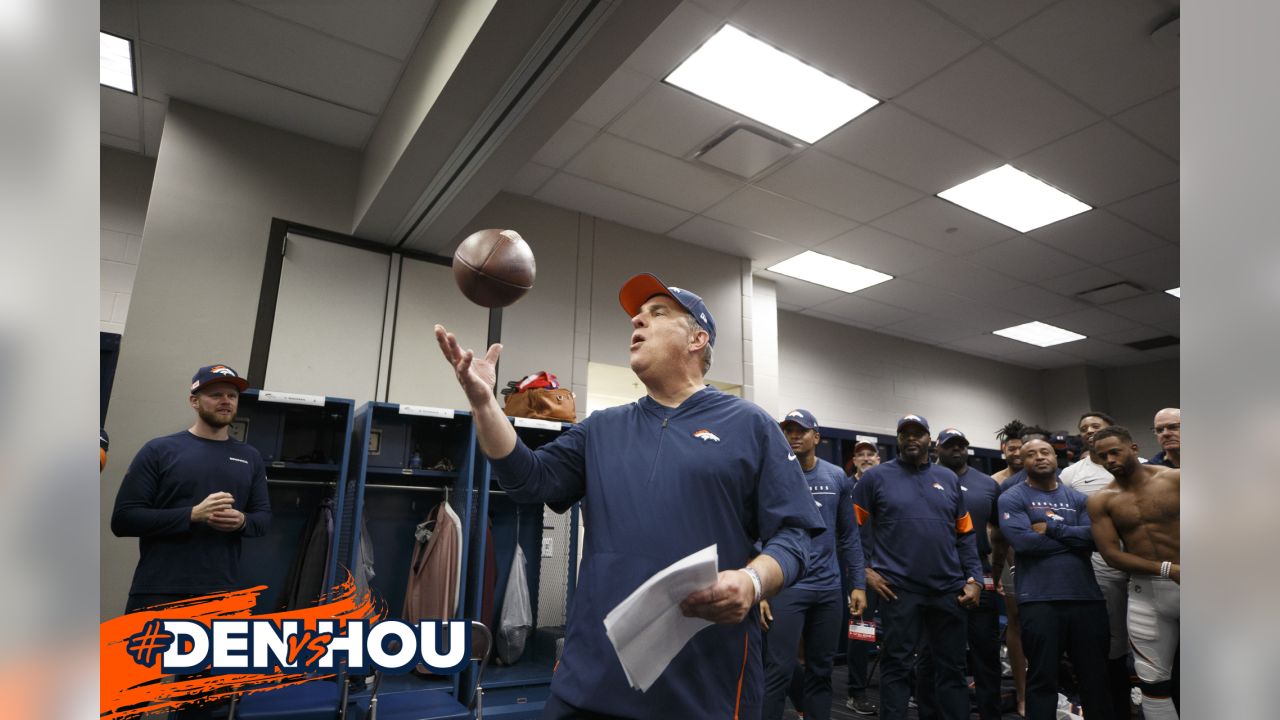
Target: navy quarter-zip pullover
(657, 484)
(923, 534)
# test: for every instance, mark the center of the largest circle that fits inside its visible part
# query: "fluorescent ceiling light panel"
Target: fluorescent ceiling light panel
(115, 62)
(1176, 292)
(829, 272)
(1014, 198)
(1040, 334)
(755, 79)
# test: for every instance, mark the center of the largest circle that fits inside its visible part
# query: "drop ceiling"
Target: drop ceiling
(1075, 92)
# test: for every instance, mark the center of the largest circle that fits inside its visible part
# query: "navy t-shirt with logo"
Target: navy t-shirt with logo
(167, 478)
(836, 554)
(1057, 564)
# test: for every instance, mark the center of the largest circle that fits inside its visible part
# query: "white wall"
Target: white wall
(1135, 393)
(857, 379)
(125, 189)
(218, 182)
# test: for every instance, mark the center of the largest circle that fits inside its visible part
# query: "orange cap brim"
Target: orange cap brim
(638, 289)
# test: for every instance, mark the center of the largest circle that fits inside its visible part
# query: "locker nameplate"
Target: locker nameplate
(426, 411)
(535, 423)
(291, 398)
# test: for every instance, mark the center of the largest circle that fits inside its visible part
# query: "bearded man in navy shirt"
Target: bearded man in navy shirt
(925, 568)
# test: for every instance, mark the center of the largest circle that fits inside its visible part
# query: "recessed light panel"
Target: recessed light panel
(1014, 198)
(829, 272)
(1176, 292)
(115, 62)
(757, 80)
(1039, 334)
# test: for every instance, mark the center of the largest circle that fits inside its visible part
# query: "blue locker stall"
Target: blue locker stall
(304, 441)
(520, 689)
(408, 460)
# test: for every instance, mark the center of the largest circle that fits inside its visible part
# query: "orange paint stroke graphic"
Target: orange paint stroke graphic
(131, 690)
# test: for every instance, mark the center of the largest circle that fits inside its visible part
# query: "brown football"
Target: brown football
(494, 268)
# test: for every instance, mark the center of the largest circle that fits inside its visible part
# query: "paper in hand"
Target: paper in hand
(647, 629)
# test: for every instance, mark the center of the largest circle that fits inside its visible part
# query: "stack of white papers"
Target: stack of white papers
(647, 629)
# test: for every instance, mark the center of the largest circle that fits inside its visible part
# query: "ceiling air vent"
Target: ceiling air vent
(744, 151)
(1153, 343)
(1111, 293)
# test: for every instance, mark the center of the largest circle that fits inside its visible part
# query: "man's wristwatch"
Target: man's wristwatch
(755, 581)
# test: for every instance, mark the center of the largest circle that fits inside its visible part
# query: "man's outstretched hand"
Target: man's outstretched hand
(477, 376)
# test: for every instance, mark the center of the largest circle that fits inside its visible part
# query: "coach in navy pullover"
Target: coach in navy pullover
(1060, 606)
(682, 468)
(924, 566)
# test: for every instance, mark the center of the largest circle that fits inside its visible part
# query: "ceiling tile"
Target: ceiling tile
(1091, 322)
(788, 307)
(1094, 349)
(911, 295)
(944, 226)
(566, 143)
(798, 293)
(153, 114)
(964, 278)
(648, 173)
(719, 8)
(761, 249)
(1097, 236)
(1155, 269)
(862, 312)
(881, 48)
(1155, 121)
(1131, 359)
(1042, 358)
(901, 146)
(169, 74)
(257, 45)
(574, 193)
(619, 91)
(528, 179)
(1024, 258)
(1100, 50)
(1157, 211)
(997, 104)
(120, 114)
(987, 344)
(780, 217)
(953, 323)
(119, 17)
(1100, 165)
(684, 31)
(671, 120)
(878, 250)
(1133, 334)
(115, 141)
(837, 186)
(1158, 309)
(1079, 281)
(990, 18)
(391, 27)
(1036, 302)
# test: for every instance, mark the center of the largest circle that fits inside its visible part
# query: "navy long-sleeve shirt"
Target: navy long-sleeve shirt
(167, 478)
(1055, 565)
(923, 534)
(657, 484)
(835, 556)
(980, 492)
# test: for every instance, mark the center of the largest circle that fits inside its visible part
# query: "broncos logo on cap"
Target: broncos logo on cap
(706, 435)
(222, 370)
(795, 413)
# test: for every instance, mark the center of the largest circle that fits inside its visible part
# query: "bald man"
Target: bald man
(1168, 429)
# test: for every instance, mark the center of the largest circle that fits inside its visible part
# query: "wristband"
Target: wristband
(755, 581)
(1165, 568)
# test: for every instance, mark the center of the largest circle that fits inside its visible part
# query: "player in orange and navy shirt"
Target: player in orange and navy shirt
(924, 566)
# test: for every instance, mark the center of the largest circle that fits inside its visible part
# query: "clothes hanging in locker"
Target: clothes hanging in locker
(305, 583)
(487, 600)
(363, 573)
(434, 571)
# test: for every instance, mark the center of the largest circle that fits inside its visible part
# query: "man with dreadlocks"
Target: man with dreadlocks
(1011, 446)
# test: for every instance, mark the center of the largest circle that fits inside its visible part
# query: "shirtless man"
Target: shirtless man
(1141, 510)
(1011, 447)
